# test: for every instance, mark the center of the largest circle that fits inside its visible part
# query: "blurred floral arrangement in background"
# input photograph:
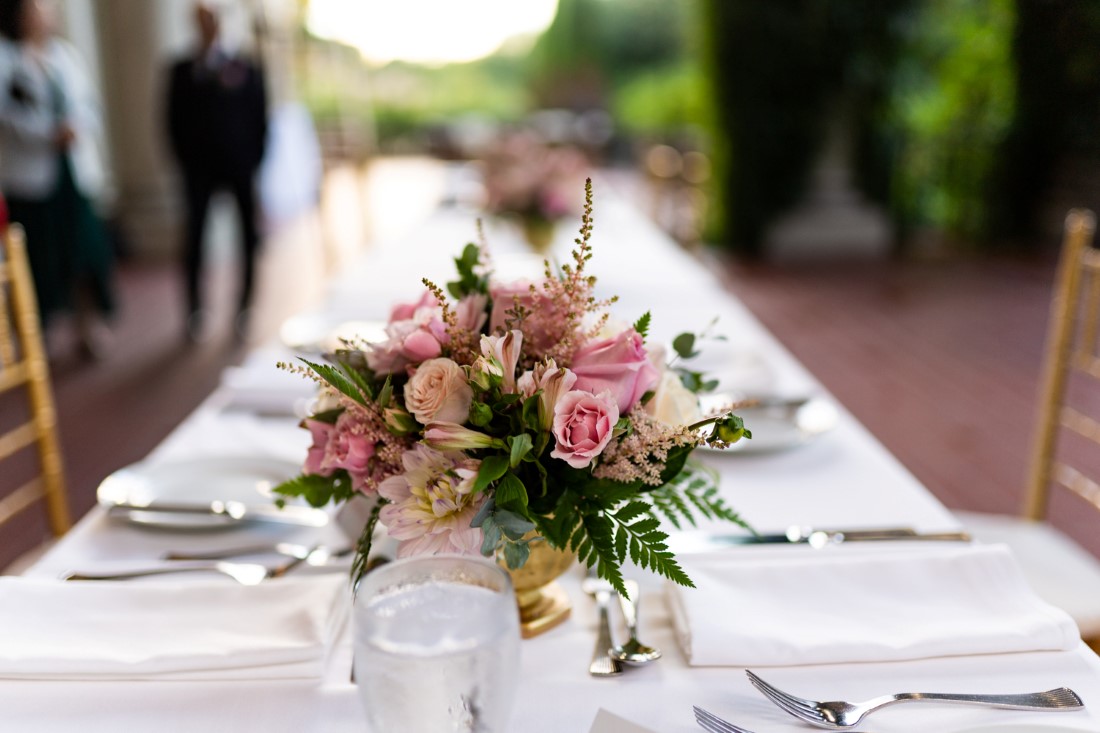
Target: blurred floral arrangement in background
(514, 413)
(534, 182)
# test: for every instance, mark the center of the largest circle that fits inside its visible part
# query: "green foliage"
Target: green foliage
(366, 537)
(511, 494)
(317, 490)
(344, 379)
(492, 468)
(607, 522)
(469, 281)
(503, 532)
(664, 101)
(953, 105)
(642, 325)
(684, 346)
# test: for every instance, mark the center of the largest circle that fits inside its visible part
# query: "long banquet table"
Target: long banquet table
(845, 478)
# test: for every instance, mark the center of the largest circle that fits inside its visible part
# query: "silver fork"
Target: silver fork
(840, 714)
(242, 572)
(711, 722)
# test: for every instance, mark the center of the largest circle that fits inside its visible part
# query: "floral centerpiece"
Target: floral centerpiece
(512, 414)
(532, 182)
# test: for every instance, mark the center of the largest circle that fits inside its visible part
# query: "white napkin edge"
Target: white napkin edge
(1069, 634)
(308, 667)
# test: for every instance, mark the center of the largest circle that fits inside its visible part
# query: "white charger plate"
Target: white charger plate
(200, 481)
(776, 424)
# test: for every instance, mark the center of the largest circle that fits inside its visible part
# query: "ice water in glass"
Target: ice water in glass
(437, 646)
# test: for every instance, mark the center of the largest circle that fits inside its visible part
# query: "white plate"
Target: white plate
(777, 424)
(321, 333)
(200, 481)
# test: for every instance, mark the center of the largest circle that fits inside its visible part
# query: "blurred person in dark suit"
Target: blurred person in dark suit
(217, 125)
(51, 168)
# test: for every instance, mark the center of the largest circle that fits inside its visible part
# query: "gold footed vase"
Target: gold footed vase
(542, 602)
(538, 232)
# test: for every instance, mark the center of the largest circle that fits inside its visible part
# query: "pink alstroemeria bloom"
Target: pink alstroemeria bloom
(618, 365)
(505, 350)
(554, 381)
(449, 436)
(583, 424)
(432, 504)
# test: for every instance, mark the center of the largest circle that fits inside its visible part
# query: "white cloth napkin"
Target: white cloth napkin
(216, 630)
(782, 606)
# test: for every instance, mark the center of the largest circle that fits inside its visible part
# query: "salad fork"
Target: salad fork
(840, 714)
(710, 722)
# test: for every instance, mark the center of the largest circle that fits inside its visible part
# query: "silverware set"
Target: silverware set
(608, 659)
(839, 714)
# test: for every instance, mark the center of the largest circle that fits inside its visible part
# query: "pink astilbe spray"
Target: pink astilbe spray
(558, 305)
(641, 455)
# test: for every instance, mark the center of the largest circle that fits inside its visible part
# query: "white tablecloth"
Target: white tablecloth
(844, 478)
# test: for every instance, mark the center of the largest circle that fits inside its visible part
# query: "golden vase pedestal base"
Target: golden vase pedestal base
(542, 602)
(542, 609)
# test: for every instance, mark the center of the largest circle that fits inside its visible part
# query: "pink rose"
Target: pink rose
(408, 343)
(618, 365)
(322, 433)
(505, 296)
(405, 311)
(421, 345)
(438, 391)
(583, 424)
(470, 312)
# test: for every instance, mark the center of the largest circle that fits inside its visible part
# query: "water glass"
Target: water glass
(437, 646)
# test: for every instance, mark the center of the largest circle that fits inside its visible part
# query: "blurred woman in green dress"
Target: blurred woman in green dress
(50, 165)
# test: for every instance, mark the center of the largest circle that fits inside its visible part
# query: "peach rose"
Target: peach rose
(438, 392)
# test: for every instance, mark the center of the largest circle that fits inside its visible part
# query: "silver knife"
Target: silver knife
(230, 511)
(687, 542)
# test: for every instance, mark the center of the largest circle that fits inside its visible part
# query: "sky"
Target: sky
(427, 31)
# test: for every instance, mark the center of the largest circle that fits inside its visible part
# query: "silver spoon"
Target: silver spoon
(633, 651)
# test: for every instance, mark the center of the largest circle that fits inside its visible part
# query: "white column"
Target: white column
(138, 39)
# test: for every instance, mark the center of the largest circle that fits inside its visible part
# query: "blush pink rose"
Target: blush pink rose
(505, 296)
(470, 312)
(405, 311)
(315, 457)
(618, 365)
(348, 448)
(438, 391)
(583, 424)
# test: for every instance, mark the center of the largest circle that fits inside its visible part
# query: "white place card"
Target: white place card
(606, 722)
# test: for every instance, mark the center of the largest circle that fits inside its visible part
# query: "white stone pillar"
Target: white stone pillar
(137, 41)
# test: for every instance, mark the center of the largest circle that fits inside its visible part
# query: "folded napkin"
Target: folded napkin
(757, 607)
(143, 630)
(265, 389)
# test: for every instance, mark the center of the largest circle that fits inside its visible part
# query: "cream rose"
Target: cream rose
(438, 391)
(673, 403)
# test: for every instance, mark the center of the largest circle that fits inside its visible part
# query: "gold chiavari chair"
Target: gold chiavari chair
(23, 367)
(1059, 569)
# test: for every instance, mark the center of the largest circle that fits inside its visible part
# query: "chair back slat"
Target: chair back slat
(1077, 482)
(1069, 322)
(23, 366)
